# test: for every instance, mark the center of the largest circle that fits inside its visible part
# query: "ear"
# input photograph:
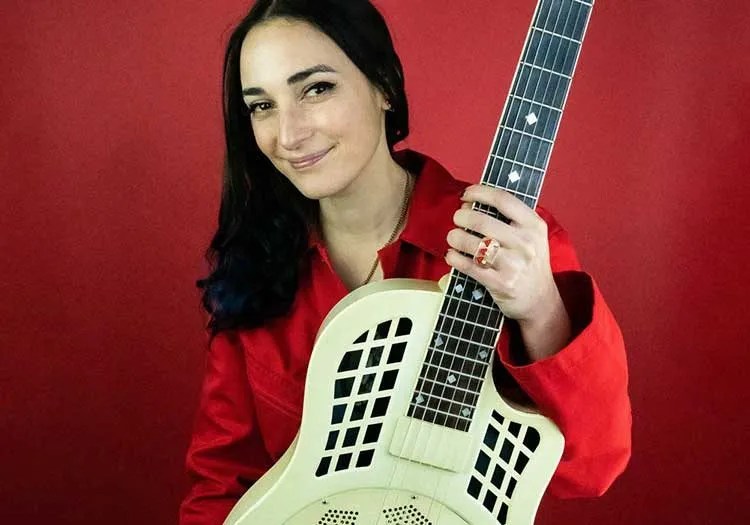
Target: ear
(382, 101)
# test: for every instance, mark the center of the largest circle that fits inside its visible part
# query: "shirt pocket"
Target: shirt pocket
(278, 406)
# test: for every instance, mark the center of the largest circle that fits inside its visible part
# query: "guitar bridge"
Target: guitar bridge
(431, 444)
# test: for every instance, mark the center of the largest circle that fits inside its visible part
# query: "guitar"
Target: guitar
(401, 422)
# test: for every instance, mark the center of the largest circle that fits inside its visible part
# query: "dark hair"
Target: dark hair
(260, 246)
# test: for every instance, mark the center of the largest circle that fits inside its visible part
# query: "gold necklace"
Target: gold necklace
(404, 207)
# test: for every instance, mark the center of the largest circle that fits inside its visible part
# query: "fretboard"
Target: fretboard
(469, 323)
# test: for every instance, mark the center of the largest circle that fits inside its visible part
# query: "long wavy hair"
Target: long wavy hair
(260, 246)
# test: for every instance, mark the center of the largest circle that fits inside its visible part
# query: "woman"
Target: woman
(316, 203)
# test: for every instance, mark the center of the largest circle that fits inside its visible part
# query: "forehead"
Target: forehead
(274, 50)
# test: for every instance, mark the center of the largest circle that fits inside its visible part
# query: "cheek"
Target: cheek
(357, 123)
(262, 137)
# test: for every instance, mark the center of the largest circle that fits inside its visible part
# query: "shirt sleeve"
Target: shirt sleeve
(226, 453)
(583, 387)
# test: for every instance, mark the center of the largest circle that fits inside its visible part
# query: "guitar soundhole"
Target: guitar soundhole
(507, 448)
(405, 515)
(366, 375)
(339, 517)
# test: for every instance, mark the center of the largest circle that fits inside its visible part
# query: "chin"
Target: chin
(311, 185)
(319, 185)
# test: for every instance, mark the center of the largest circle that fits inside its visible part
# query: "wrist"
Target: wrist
(547, 330)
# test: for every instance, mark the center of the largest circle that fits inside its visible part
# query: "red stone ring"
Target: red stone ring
(486, 252)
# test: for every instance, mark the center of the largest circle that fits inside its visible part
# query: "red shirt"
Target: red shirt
(251, 400)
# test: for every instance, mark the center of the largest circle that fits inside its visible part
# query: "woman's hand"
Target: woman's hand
(520, 277)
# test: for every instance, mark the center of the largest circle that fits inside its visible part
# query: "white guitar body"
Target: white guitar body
(385, 467)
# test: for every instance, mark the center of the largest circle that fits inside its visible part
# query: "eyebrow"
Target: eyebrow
(294, 79)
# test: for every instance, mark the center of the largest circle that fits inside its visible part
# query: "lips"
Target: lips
(309, 160)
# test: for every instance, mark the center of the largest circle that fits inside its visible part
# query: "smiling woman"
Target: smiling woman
(316, 203)
(310, 106)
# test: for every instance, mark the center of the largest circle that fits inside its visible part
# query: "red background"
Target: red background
(110, 150)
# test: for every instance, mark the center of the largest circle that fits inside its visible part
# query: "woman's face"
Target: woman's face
(308, 99)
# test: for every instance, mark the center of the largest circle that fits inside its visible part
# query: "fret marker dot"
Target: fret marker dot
(439, 341)
(459, 288)
(477, 294)
(466, 412)
(531, 119)
(483, 354)
(451, 379)
(420, 399)
(514, 176)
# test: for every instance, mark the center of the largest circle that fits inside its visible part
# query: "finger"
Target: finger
(491, 278)
(466, 265)
(506, 203)
(463, 241)
(487, 226)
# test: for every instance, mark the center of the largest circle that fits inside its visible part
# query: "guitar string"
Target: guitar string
(565, 48)
(452, 322)
(416, 441)
(508, 128)
(533, 60)
(526, 154)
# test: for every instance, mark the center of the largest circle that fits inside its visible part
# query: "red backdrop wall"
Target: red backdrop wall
(110, 149)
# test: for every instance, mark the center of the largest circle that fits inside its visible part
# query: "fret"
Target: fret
(472, 362)
(433, 402)
(471, 381)
(516, 162)
(551, 52)
(460, 311)
(564, 17)
(545, 70)
(462, 322)
(470, 291)
(514, 145)
(500, 176)
(463, 364)
(514, 129)
(446, 391)
(524, 196)
(536, 103)
(540, 86)
(556, 34)
(523, 114)
(489, 210)
(462, 339)
(490, 307)
(440, 418)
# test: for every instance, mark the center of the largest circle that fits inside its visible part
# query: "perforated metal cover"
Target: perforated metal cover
(405, 515)
(506, 449)
(360, 395)
(339, 517)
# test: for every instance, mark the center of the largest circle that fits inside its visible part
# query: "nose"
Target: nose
(294, 128)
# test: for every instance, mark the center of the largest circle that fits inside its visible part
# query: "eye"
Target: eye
(320, 87)
(262, 106)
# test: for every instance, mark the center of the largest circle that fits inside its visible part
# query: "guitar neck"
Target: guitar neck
(530, 120)
(469, 322)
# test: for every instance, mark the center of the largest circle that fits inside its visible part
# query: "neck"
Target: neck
(369, 208)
